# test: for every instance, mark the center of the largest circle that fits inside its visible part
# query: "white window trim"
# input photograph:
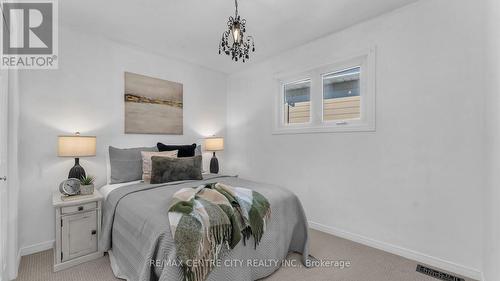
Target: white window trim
(366, 60)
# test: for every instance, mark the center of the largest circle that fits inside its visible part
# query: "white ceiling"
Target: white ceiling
(191, 29)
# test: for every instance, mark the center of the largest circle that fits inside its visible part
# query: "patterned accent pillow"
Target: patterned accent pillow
(146, 161)
(166, 169)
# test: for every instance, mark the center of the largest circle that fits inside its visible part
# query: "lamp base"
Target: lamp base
(77, 172)
(214, 165)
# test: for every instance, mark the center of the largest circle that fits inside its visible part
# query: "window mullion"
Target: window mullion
(316, 99)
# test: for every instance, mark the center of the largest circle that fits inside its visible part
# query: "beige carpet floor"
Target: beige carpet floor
(367, 264)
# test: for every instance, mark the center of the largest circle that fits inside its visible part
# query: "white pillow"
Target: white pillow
(146, 161)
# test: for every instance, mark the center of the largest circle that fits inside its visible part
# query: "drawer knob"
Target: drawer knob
(93, 232)
(80, 208)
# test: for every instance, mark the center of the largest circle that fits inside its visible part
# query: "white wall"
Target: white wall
(491, 240)
(416, 183)
(86, 94)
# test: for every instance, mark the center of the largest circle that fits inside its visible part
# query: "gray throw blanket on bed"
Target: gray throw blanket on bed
(206, 218)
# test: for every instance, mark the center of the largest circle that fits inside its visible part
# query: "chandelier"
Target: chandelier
(234, 43)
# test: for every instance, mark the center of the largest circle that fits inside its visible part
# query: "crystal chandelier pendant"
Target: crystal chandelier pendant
(234, 43)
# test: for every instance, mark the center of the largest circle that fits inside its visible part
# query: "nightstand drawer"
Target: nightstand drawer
(79, 208)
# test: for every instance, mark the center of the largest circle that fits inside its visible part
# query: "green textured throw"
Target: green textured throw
(206, 218)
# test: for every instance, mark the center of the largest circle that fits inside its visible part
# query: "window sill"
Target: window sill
(292, 130)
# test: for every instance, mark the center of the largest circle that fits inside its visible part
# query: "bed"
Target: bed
(136, 232)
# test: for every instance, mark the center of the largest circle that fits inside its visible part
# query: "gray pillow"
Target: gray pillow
(126, 164)
(166, 169)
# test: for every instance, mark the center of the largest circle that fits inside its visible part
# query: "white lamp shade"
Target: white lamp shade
(76, 146)
(214, 144)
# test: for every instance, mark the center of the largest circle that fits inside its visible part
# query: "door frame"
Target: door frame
(4, 187)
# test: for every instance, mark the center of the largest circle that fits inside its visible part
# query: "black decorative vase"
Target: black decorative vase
(77, 172)
(214, 165)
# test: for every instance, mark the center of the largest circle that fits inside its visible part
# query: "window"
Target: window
(339, 97)
(297, 102)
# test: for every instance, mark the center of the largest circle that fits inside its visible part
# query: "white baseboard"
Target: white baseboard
(400, 251)
(28, 250)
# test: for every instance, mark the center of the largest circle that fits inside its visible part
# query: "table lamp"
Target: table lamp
(76, 146)
(214, 144)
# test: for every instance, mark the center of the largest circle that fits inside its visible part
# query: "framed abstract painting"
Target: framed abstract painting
(152, 105)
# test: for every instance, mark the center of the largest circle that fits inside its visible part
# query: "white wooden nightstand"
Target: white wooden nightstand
(78, 229)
